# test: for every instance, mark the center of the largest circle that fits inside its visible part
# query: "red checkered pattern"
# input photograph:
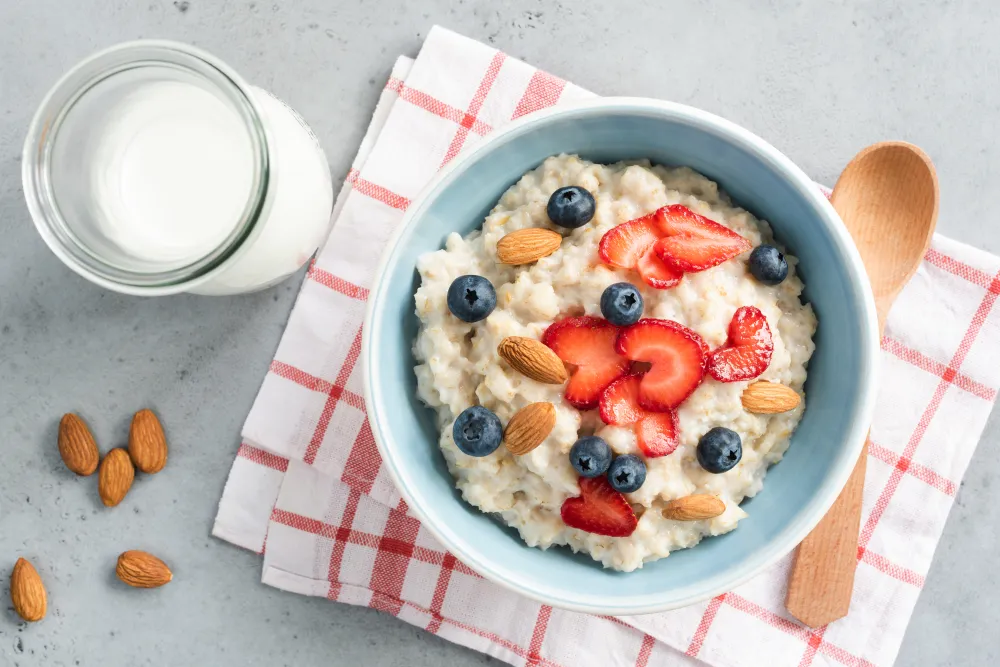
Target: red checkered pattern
(309, 491)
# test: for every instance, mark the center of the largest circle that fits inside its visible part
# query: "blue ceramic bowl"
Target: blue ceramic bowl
(841, 384)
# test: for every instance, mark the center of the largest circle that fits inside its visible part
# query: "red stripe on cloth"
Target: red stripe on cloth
(394, 84)
(962, 270)
(440, 591)
(814, 643)
(348, 535)
(395, 550)
(363, 462)
(337, 553)
(332, 398)
(337, 283)
(933, 367)
(309, 381)
(376, 192)
(923, 473)
(538, 635)
(706, 622)
(469, 119)
(263, 458)
(645, 650)
(435, 106)
(543, 91)
(886, 566)
(925, 419)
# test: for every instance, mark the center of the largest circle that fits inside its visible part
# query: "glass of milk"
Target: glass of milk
(152, 168)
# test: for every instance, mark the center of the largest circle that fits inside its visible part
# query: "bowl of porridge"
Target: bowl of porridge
(620, 357)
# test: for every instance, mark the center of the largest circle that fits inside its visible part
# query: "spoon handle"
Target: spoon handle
(822, 579)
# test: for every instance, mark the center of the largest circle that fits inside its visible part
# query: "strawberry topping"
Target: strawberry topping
(656, 432)
(655, 272)
(588, 343)
(694, 243)
(747, 353)
(677, 355)
(623, 246)
(599, 509)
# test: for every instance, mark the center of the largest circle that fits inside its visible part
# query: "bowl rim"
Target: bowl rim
(793, 533)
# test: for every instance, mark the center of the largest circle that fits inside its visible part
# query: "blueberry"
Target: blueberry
(768, 265)
(719, 450)
(477, 431)
(571, 207)
(471, 298)
(621, 304)
(590, 456)
(627, 473)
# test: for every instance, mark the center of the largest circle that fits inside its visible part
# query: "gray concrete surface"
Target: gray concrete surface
(818, 79)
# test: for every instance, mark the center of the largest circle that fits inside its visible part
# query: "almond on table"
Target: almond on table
(77, 446)
(147, 444)
(115, 477)
(27, 592)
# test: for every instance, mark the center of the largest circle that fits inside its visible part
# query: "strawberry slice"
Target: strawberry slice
(677, 355)
(747, 353)
(655, 272)
(623, 246)
(589, 344)
(599, 509)
(656, 432)
(694, 243)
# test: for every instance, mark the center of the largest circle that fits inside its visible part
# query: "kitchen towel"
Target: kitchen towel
(309, 492)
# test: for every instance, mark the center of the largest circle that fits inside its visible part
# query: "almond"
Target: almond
(533, 359)
(529, 427)
(767, 398)
(27, 592)
(528, 245)
(147, 445)
(115, 477)
(77, 446)
(694, 508)
(142, 570)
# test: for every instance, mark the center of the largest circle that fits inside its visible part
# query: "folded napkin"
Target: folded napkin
(309, 492)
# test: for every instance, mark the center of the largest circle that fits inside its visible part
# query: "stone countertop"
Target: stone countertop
(819, 80)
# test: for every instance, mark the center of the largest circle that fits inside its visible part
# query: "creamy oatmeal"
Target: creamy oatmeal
(458, 365)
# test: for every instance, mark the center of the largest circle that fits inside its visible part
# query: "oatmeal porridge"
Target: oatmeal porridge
(624, 438)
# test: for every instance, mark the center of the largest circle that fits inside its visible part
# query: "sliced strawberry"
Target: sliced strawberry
(599, 509)
(694, 243)
(657, 434)
(747, 352)
(677, 355)
(656, 431)
(655, 273)
(589, 344)
(623, 246)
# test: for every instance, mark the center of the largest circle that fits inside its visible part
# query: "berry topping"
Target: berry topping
(719, 450)
(656, 432)
(571, 207)
(588, 343)
(471, 298)
(627, 473)
(477, 431)
(768, 265)
(621, 304)
(599, 509)
(677, 355)
(590, 456)
(623, 246)
(694, 243)
(747, 353)
(655, 272)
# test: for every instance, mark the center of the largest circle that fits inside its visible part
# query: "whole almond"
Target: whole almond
(147, 445)
(767, 398)
(142, 570)
(115, 477)
(529, 427)
(27, 592)
(533, 359)
(694, 508)
(77, 446)
(528, 245)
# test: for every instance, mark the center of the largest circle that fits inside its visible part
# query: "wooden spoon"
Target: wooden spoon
(888, 199)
